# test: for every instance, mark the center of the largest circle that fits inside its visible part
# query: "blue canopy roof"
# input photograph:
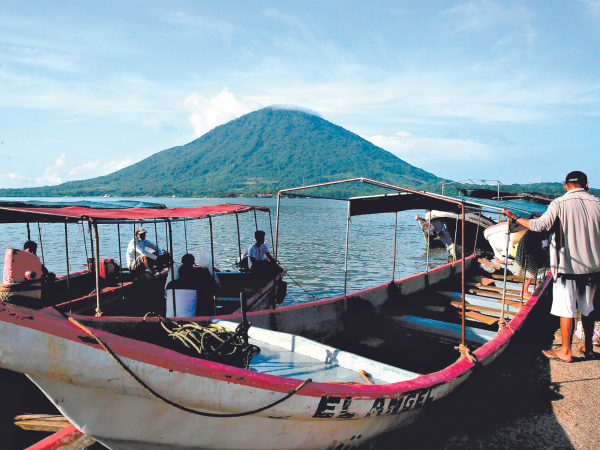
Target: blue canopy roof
(520, 208)
(96, 204)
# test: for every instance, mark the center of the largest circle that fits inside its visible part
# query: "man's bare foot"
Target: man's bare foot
(558, 355)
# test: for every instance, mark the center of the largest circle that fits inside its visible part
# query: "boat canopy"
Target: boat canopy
(404, 201)
(519, 207)
(98, 204)
(62, 214)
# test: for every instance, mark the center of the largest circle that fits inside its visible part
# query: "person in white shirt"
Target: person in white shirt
(139, 254)
(259, 251)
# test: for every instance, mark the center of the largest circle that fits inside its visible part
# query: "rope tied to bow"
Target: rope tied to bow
(465, 352)
(502, 325)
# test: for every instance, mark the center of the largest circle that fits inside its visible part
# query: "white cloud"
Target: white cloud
(154, 123)
(207, 114)
(85, 167)
(441, 156)
(196, 24)
(98, 168)
(593, 5)
(407, 147)
(403, 134)
(52, 175)
(288, 107)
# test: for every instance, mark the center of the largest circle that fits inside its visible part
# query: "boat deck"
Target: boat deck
(292, 356)
(285, 363)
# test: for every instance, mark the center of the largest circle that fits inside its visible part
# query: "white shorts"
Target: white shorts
(567, 297)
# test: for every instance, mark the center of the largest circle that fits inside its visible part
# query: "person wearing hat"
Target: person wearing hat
(574, 220)
(142, 253)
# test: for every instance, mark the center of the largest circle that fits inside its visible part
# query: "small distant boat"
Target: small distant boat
(331, 374)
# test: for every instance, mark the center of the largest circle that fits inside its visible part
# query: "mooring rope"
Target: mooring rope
(296, 283)
(169, 402)
(465, 352)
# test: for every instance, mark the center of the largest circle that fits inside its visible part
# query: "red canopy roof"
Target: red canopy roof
(77, 213)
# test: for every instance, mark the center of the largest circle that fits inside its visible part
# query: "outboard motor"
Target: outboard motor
(22, 276)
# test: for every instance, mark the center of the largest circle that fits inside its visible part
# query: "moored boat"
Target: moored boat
(440, 228)
(332, 373)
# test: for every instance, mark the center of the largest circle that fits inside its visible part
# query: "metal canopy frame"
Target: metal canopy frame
(457, 204)
(30, 215)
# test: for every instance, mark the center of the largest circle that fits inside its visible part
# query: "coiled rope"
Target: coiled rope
(169, 402)
(212, 341)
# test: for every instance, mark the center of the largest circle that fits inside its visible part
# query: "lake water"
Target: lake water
(311, 242)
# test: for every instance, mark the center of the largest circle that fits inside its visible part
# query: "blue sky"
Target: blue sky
(500, 90)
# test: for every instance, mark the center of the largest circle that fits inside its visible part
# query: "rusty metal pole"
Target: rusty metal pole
(41, 243)
(456, 243)
(156, 235)
(428, 239)
(97, 267)
(346, 257)
(120, 261)
(395, 238)
(28, 232)
(276, 245)
(212, 257)
(84, 242)
(167, 239)
(168, 222)
(524, 281)
(68, 269)
(256, 221)
(237, 221)
(476, 233)
(502, 322)
(185, 234)
(462, 264)
(271, 226)
(91, 240)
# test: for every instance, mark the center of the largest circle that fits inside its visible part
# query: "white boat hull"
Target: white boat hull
(100, 399)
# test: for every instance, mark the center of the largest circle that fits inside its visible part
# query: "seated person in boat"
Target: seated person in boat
(142, 254)
(260, 260)
(47, 276)
(192, 291)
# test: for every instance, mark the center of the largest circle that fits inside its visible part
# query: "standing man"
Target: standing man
(574, 259)
(139, 255)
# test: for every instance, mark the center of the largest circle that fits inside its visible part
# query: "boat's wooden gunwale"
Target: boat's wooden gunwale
(52, 322)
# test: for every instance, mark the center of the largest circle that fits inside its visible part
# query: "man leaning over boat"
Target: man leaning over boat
(574, 220)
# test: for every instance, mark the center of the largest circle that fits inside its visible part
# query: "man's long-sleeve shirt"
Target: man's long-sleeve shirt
(577, 213)
(137, 247)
